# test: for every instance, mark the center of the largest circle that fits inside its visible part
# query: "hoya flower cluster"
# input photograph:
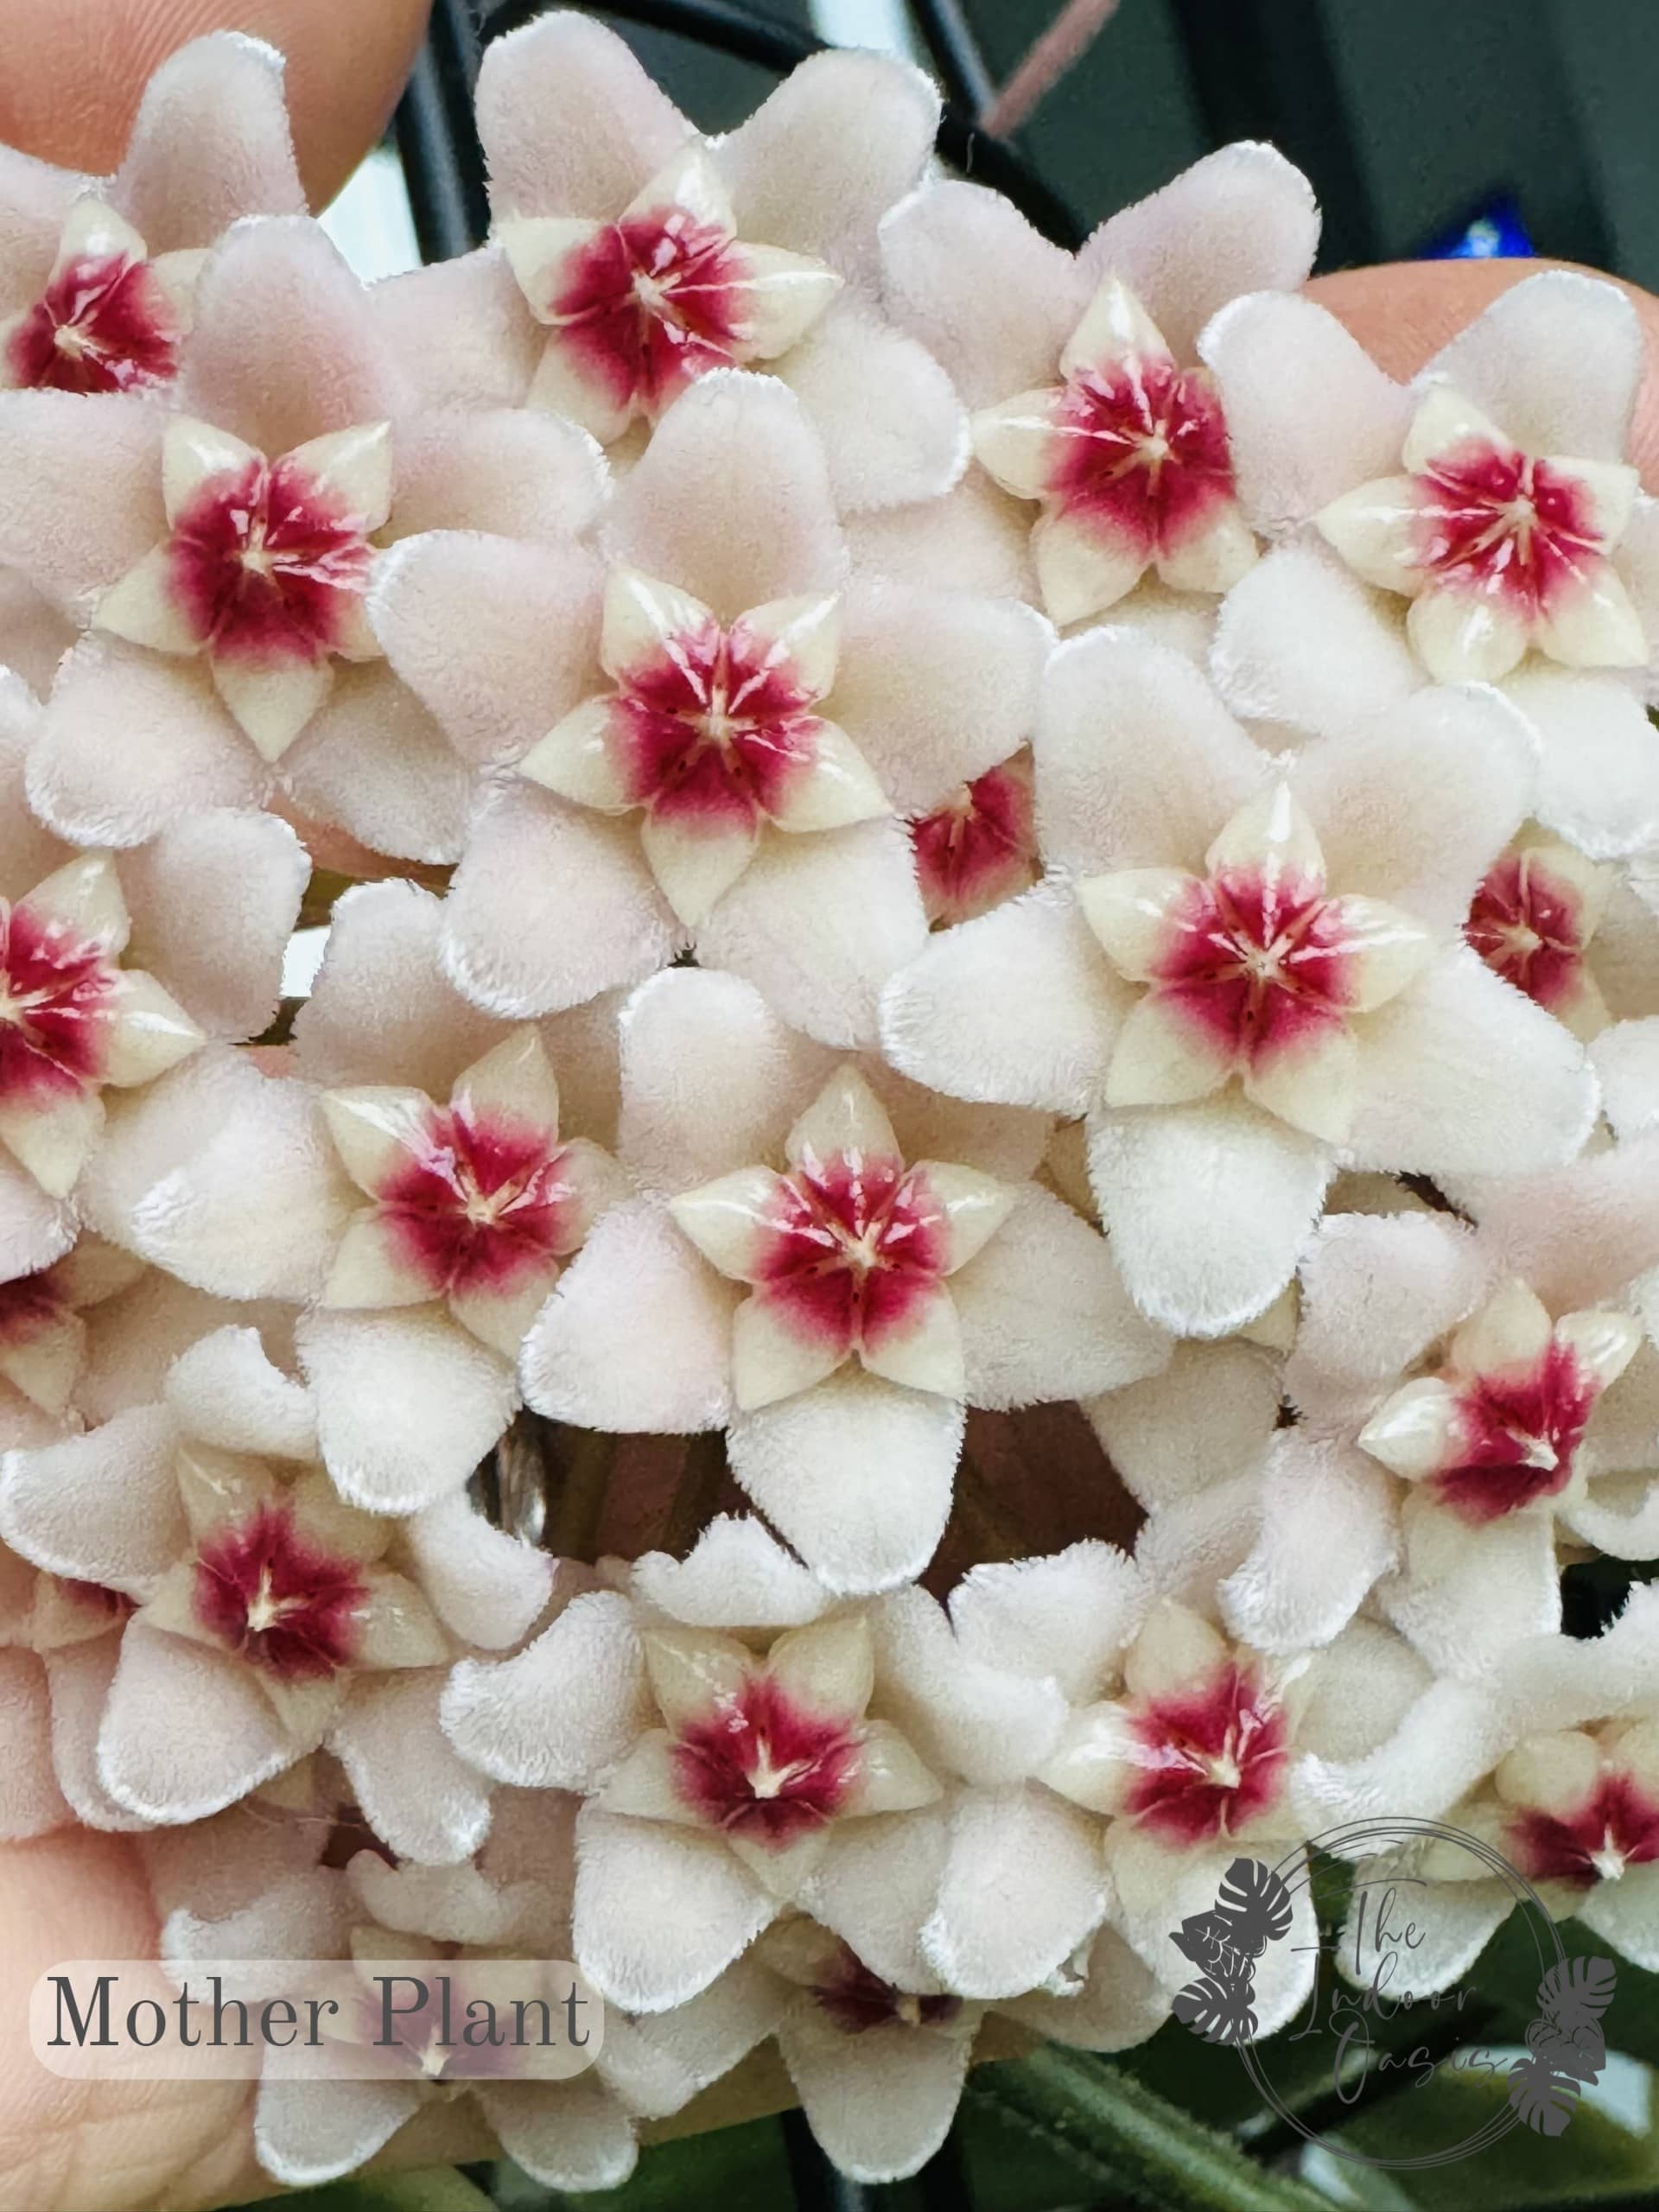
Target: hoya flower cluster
(914, 828)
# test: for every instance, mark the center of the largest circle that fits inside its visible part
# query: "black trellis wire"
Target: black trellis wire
(443, 161)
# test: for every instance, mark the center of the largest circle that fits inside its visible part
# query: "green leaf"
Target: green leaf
(742, 2168)
(1595, 2162)
(1124, 2139)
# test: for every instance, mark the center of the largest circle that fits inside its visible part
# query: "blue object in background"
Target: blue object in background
(1494, 232)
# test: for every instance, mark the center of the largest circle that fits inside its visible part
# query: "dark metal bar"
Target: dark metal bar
(437, 141)
(957, 61)
(1264, 69)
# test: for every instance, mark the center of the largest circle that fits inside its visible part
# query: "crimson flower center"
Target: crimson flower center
(652, 301)
(977, 846)
(1207, 1761)
(278, 1600)
(718, 727)
(1496, 520)
(1526, 925)
(104, 323)
(267, 565)
(55, 992)
(1616, 1826)
(1517, 1435)
(850, 1247)
(1143, 446)
(765, 1767)
(1256, 957)
(858, 2000)
(484, 1203)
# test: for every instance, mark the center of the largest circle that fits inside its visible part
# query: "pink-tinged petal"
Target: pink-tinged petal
(33, 1804)
(129, 743)
(1413, 811)
(1556, 360)
(921, 1347)
(861, 127)
(1624, 1913)
(660, 1911)
(523, 475)
(735, 446)
(34, 1227)
(732, 1221)
(150, 1032)
(224, 1392)
(773, 1358)
(1310, 413)
(1301, 642)
(1461, 1075)
(463, 332)
(1627, 1060)
(486, 1586)
(978, 848)
(272, 706)
(976, 538)
(1598, 770)
(1067, 1616)
(209, 143)
(307, 2132)
(1203, 1421)
(1019, 1006)
(935, 687)
(709, 1075)
(373, 762)
(498, 639)
(1579, 1236)
(82, 498)
(53, 1139)
(1327, 1533)
(694, 865)
(35, 198)
(1110, 703)
(1376, 1292)
(570, 122)
(735, 1572)
(97, 1507)
(550, 907)
(78, 1680)
(1592, 624)
(144, 607)
(1462, 1595)
(380, 1011)
(1163, 1057)
(284, 347)
(249, 870)
(1207, 1206)
(637, 1336)
(1375, 529)
(1084, 567)
(892, 426)
(1044, 1312)
(187, 1730)
(225, 1177)
(567, 2135)
(838, 788)
(1241, 220)
(992, 300)
(1461, 639)
(879, 2099)
(820, 924)
(856, 1474)
(418, 1796)
(372, 1269)
(561, 1713)
(407, 1404)
(1156, 1889)
(1023, 1886)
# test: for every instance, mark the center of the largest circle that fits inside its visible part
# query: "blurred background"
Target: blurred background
(1427, 126)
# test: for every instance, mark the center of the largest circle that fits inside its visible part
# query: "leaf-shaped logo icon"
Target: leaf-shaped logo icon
(1577, 1992)
(1256, 1902)
(1545, 2099)
(1218, 2011)
(1205, 1938)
